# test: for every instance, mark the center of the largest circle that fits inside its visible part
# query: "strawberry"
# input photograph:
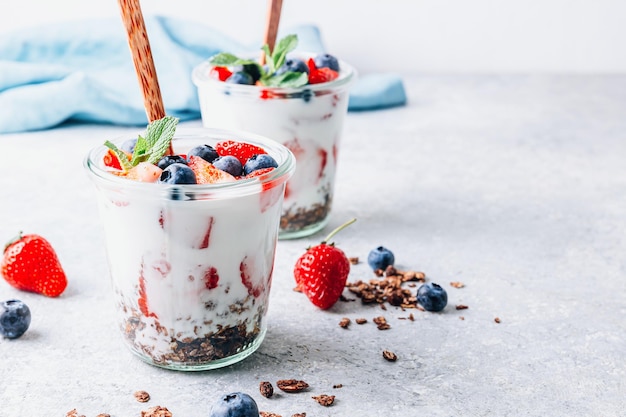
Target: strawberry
(322, 271)
(221, 73)
(322, 75)
(206, 173)
(31, 264)
(240, 150)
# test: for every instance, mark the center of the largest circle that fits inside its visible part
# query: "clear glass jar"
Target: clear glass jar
(191, 265)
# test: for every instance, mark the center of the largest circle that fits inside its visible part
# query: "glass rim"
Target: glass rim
(200, 77)
(285, 158)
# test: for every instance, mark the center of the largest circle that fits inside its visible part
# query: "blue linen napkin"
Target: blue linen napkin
(82, 71)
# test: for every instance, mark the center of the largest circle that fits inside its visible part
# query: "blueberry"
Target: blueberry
(128, 145)
(177, 174)
(236, 404)
(380, 258)
(432, 297)
(253, 70)
(168, 160)
(229, 164)
(14, 318)
(307, 95)
(326, 61)
(206, 152)
(240, 78)
(293, 65)
(259, 161)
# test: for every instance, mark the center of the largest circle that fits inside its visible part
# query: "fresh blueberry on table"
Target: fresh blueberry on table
(206, 152)
(229, 164)
(240, 78)
(326, 61)
(236, 404)
(259, 161)
(380, 258)
(177, 174)
(168, 160)
(14, 318)
(293, 65)
(432, 297)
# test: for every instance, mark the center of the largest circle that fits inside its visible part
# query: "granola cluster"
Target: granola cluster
(388, 288)
(298, 218)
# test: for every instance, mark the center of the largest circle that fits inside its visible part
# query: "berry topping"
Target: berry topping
(432, 297)
(326, 61)
(380, 258)
(252, 69)
(293, 65)
(240, 78)
(229, 164)
(321, 273)
(206, 152)
(14, 319)
(171, 159)
(144, 172)
(239, 150)
(322, 75)
(31, 264)
(178, 173)
(206, 173)
(110, 160)
(259, 161)
(221, 73)
(236, 404)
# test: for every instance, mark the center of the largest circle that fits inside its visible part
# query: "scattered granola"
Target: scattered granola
(266, 388)
(156, 411)
(73, 413)
(291, 385)
(457, 284)
(389, 289)
(461, 318)
(354, 260)
(325, 400)
(497, 319)
(461, 307)
(142, 396)
(390, 356)
(345, 322)
(299, 415)
(103, 415)
(268, 414)
(338, 386)
(361, 321)
(381, 323)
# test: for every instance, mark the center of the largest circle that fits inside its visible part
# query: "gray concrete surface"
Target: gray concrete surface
(513, 185)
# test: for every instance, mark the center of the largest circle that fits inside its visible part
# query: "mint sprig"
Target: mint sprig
(151, 147)
(275, 59)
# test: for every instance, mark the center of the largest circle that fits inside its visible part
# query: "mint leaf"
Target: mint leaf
(268, 58)
(141, 150)
(288, 79)
(282, 48)
(223, 59)
(121, 155)
(159, 134)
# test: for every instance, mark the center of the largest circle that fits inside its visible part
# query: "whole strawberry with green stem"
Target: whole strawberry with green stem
(322, 271)
(29, 263)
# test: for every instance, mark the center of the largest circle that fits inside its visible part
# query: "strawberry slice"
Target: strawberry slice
(31, 264)
(240, 150)
(322, 75)
(110, 160)
(221, 73)
(206, 173)
(311, 64)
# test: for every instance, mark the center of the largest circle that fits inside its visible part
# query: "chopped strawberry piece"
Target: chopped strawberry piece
(211, 278)
(221, 73)
(259, 172)
(144, 172)
(206, 173)
(267, 94)
(311, 64)
(240, 150)
(110, 160)
(322, 75)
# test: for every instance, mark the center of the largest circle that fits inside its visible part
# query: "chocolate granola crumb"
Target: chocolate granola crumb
(457, 284)
(338, 386)
(497, 319)
(266, 388)
(461, 307)
(390, 356)
(381, 323)
(461, 318)
(345, 322)
(73, 413)
(268, 414)
(142, 396)
(299, 415)
(103, 415)
(156, 411)
(354, 260)
(360, 321)
(291, 385)
(325, 400)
